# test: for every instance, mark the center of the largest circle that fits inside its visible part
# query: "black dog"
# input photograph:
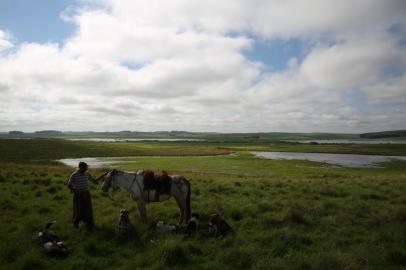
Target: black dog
(125, 228)
(51, 243)
(192, 224)
(218, 226)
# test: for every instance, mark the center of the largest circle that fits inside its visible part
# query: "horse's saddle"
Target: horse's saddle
(161, 183)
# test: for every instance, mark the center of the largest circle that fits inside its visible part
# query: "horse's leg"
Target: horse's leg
(182, 209)
(142, 210)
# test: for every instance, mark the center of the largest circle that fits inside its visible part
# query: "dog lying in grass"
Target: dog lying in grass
(51, 243)
(162, 227)
(218, 226)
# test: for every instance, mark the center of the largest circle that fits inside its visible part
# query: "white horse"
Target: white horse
(133, 182)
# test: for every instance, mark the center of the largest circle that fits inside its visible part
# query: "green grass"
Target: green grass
(38, 151)
(287, 214)
(41, 150)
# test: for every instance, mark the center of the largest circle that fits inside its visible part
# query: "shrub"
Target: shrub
(52, 190)
(332, 262)
(397, 258)
(264, 207)
(400, 216)
(97, 248)
(31, 261)
(196, 191)
(287, 240)
(58, 198)
(333, 192)
(271, 222)
(10, 253)
(173, 254)
(237, 214)
(43, 182)
(44, 210)
(238, 258)
(372, 196)
(8, 205)
(296, 214)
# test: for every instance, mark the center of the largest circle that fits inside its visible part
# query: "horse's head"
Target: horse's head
(109, 180)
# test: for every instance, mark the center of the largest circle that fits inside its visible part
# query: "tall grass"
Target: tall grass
(285, 217)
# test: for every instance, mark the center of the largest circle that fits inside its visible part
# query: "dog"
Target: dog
(125, 228)
(51, 243)
(192, 224)
(161, 227)
(218, 226)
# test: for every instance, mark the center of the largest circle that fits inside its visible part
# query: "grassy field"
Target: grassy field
(287, 214)
(37, 151)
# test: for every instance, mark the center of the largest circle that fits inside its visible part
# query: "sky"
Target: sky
(224, 66)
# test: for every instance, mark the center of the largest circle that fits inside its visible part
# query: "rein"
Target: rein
(112, 183)
(135, 178)
(138, 184)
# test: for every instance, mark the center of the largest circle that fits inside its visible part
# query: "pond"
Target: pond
(355, 141)
(345, 160)
(134, 140)
(96, 162)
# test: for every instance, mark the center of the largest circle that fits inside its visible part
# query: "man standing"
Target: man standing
(82, 203)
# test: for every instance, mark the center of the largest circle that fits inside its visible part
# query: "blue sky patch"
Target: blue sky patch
(35, 21)
(276, 53)
(356, 98)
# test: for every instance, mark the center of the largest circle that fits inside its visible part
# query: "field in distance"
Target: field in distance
(287, 214)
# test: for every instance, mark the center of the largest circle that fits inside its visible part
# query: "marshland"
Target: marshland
(287, 214)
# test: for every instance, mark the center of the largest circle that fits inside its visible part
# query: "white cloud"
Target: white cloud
(290, 18)
(5, 42)
(179, 65)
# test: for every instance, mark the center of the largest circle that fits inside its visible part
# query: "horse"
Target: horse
(133, 182)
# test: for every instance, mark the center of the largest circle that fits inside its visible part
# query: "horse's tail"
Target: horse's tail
(189, 190)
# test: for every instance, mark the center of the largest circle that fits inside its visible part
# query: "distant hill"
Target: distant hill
(179, 134)
(384, 134)
(49, 132)
(15, 132)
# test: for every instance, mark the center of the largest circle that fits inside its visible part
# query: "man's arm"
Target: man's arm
(71, 184)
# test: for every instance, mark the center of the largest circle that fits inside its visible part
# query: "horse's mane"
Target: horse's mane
(148, 175)
(115, 172)
(163, 176)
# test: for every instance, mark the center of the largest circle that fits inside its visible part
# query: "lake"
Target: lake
(134, 139)
(345, 160)
(344, 141)
(96, 162)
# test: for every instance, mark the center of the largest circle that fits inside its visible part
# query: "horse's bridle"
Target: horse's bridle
(111, 184)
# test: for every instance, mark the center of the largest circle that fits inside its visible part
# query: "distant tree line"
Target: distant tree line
(15, 132)
(384, 134)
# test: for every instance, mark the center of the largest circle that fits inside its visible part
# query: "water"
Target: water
(134, 140)
(96, 162)
(345, 160)
(343, 141)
